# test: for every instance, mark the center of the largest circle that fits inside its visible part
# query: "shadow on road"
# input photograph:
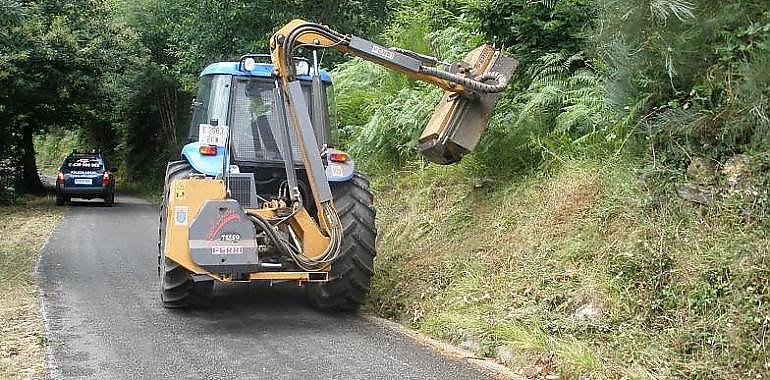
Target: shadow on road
(121, 200)
(89, 203)
(244, 309)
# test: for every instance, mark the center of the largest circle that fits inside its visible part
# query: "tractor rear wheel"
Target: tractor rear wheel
(178, 289)
(351, 273)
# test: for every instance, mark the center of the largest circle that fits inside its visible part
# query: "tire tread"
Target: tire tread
(351, 274)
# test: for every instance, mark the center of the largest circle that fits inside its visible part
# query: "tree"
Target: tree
(532, 28)
(56, 70)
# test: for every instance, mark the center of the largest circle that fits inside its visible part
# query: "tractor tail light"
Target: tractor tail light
(106, 179)
(60, 178)
(208, 150)
(338, 157)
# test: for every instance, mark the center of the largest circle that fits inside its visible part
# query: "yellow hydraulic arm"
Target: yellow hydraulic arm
(471, 87)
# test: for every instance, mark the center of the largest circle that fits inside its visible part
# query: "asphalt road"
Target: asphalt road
(98, 282)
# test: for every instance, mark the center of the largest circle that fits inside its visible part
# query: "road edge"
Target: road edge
(51, 369)
(486, 365)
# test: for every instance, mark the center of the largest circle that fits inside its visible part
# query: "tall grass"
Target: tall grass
(24, 228)
(578, 272)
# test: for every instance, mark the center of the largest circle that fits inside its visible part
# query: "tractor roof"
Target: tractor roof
(263, 70)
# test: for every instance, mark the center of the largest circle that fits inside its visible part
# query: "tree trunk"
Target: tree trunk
(30, 178)
(167, 103)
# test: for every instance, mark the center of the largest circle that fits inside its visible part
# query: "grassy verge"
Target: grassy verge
(24, 228)
(585, 272)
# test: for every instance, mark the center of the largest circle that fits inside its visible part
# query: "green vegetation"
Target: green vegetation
(24, 228)
(578, 271)
(563, 245)
(52, 148)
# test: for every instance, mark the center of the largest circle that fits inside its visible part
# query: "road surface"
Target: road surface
(98, 280)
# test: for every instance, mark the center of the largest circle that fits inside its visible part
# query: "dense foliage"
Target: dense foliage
(123, 72)
(57, 70)
(650, 87)
(679, 78)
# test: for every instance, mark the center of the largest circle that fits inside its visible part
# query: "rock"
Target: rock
(696, 193)
(470, 345)
(702, 171)
(588, 312)
(503, 354)
(530, 372)
(737, 169)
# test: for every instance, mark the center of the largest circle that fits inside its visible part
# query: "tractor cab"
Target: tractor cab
(237, 128)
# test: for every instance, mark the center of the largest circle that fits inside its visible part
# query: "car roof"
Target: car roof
(262, 70)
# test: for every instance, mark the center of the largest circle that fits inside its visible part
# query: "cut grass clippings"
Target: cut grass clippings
(580, 273)
(24, 229)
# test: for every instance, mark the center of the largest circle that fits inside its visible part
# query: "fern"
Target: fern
(566, 96)
(661, 10)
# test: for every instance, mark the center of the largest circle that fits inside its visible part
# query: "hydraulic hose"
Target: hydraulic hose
(289, 42)
(474, 84)
(328, 256)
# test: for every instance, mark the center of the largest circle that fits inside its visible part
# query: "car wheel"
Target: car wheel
(109, 199)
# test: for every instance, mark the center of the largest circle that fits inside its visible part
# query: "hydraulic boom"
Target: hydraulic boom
(472, 86)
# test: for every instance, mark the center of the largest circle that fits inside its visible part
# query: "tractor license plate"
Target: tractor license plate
(212, 134)
(83, 181)
(225, 250)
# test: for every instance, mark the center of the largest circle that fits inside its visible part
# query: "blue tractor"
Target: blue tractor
(262, 195)
(237, 136)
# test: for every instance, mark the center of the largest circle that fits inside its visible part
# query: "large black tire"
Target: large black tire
(178, 289)
(351, 273)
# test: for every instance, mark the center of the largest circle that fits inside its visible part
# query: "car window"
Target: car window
(84, 164)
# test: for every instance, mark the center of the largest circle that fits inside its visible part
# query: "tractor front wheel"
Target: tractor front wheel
(351, 273)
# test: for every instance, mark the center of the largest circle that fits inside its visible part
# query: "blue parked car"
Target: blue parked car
(85, 174)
